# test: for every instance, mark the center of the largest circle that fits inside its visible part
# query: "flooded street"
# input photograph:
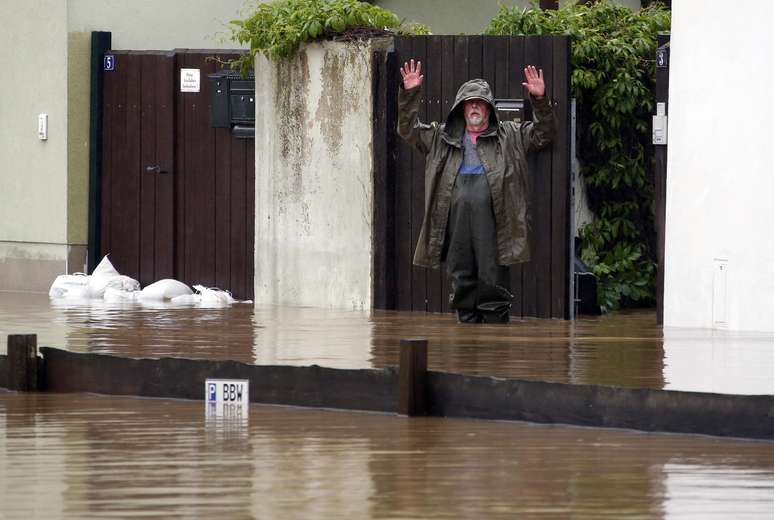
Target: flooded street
(85, 456)
(621, 349)
(88, 456)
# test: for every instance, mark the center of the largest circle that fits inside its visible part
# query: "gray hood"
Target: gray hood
(455, 121)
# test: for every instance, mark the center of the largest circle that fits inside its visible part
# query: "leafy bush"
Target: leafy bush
(613, 80)
(277, 29)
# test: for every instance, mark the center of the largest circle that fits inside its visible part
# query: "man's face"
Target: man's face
(476, 111)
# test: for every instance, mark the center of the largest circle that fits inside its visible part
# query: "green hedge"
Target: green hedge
(277, 29)
(613, 80)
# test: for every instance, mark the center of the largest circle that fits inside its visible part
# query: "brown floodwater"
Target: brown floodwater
(622, 349)
(87, 456)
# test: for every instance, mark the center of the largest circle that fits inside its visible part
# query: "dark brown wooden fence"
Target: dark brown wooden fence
(178, 197)
(542, 285)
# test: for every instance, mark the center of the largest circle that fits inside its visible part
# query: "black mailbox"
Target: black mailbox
(233, 102)
(512, 110)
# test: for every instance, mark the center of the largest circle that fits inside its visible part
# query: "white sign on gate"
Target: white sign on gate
(190, 80)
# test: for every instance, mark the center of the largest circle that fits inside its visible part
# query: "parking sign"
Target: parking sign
(227, 400)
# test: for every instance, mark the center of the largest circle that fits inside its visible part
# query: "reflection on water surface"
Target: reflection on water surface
(85, 456)
(622, 349)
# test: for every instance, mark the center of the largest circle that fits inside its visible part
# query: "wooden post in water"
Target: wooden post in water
(23, 362)
(412, 380)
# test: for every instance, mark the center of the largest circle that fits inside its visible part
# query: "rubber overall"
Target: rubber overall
(479, 284)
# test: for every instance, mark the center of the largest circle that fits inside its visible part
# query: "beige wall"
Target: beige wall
(157, 24)
(47, 47)
(314, 178)
(78, 116)
(447, 16)
(33, 173)
(458, 16)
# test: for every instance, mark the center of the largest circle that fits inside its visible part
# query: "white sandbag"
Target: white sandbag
(186, 299)
(205, 297)
(164, 290)
(78, 292)
(104, 276)
(65, 282)
(105, 267)
(99, 283)
(113, 294)
(124, 283)
(214, 295)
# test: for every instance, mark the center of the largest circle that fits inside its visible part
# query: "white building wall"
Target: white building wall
(720, 180)
(314, 187)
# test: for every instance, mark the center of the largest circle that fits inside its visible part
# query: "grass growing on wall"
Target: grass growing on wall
(277, 29)
(613, 80)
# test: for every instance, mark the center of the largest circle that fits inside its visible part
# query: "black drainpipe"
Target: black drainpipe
(100, 44)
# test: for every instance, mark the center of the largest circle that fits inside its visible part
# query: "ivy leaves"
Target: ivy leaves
(613, 79)
(277, 29)
(625, 264)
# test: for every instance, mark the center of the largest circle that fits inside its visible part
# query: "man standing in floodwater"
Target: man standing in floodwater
(475, 189)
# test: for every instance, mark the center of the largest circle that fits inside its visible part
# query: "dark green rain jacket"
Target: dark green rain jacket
(503, 150)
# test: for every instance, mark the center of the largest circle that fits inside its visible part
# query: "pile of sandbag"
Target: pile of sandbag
(80, 286)
(107, 284)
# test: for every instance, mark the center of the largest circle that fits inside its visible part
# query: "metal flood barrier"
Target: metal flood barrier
(409, 389)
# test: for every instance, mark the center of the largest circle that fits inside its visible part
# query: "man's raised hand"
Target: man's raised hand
(535, 84)
(411, 74)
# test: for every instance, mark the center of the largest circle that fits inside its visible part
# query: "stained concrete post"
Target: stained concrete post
(23, 362)
(412, 378)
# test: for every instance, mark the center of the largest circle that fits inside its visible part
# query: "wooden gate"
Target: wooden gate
(177, 196)
(542, 285)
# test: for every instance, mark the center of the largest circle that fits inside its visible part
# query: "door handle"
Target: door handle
(155, 169)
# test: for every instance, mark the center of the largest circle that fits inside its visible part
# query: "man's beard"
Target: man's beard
(475, 120)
